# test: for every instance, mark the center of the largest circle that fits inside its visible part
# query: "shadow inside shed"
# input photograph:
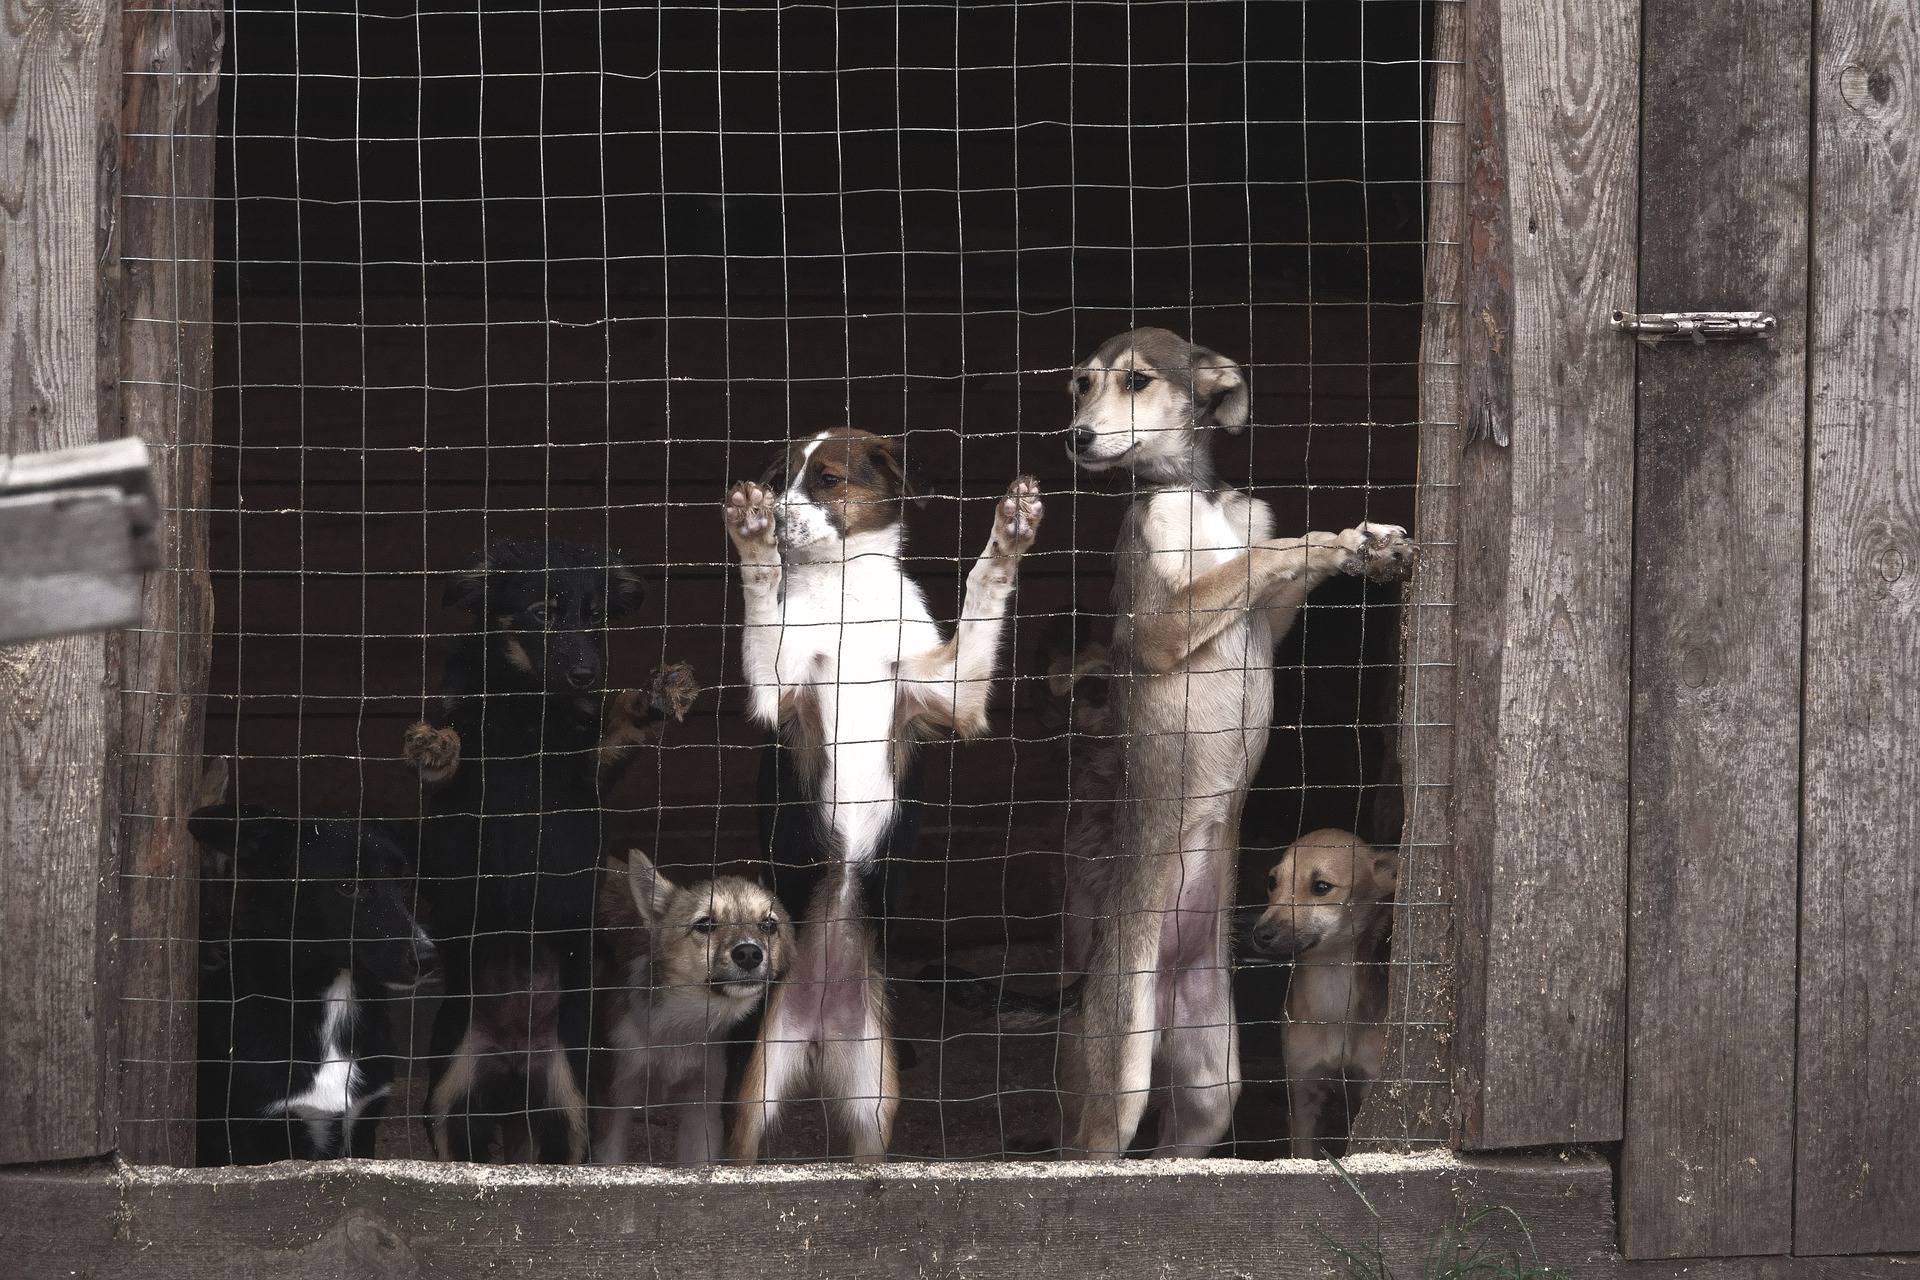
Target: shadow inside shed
(570, 272)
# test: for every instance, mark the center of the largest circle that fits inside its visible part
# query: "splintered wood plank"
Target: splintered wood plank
(1707, 1166)
(172, 51)
(1858, 1164)
(56, 975)
(1540, 779)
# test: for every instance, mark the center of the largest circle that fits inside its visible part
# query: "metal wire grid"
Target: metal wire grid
(622, 252)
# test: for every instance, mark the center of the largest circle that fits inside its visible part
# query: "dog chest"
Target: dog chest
(1189, 532)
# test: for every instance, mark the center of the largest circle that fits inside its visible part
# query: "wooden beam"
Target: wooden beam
(1858, 1166)
(405, 1218)
(172, 55)
(57, 384)
(1708, 1163)
(1413, 1103)
(1540, 818)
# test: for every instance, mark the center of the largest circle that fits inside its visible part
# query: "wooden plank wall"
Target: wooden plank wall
(59, 97)
(1540, 775)
(1707, 1167)
(1858, 1166)
(172, 59)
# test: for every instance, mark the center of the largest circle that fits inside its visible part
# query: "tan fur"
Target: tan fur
(678, 997)
(434, 753)
(1335, 1036)
(1200, 585)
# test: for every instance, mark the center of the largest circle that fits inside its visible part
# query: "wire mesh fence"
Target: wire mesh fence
(545, 754)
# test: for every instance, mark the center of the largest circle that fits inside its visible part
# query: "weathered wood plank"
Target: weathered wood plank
(1190, 1218)
(1707, 1168)
(172, 54)
(56, 975)
(1546, 531)
(1413, 1103)
(1858, 1166)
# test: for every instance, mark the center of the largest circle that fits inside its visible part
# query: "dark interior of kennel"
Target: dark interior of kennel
(519, 272)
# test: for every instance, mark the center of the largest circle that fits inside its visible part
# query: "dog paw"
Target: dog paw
(434, 753)
(1018, 516)
(1377, 552)
(674, 690)
(749, 516)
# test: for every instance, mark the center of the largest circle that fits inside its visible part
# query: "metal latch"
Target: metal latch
(1654, 326)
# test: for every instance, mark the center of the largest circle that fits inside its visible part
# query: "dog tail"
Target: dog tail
(1014, 1010)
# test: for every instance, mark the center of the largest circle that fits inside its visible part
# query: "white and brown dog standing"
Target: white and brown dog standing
(1329, 908)
(1202, 591)
(841, 653)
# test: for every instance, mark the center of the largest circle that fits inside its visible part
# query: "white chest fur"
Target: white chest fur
(337, 1093)
(1189, 532)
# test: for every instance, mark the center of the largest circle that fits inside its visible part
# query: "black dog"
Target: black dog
(511, 846)
(306, 932)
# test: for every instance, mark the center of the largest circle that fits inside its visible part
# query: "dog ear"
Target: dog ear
(251, 839)
(626, 590)
(1220, 389)
(467, 588)
(651, 889)
(1386, 874)
(883, 455)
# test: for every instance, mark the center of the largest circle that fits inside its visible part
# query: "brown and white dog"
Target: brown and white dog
(842, 655)
(1202, 590)
(690, 965)
(1329, 907)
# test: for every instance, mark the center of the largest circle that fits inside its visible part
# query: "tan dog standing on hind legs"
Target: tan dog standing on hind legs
(841, 653)
(1202, 590)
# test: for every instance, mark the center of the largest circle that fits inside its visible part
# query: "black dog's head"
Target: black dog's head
(544, 606)
(336, 892)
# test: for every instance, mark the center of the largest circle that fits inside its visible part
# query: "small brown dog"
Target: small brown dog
(1328, 908)
(689, 966)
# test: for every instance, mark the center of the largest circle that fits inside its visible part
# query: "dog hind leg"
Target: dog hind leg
(1118, 1019)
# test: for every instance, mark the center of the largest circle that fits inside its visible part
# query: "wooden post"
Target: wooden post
(172, 56)
(59, 330)
(1707, 1167)
(1540, 781)
(1857, 1176)
(1413, 1105)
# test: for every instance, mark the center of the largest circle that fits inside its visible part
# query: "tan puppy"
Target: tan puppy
(1327, 907)
(691, 965)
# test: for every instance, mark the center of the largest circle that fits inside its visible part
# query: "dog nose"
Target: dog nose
(1266, 937)
(580, 677)
(747, 955)
(1079, 438)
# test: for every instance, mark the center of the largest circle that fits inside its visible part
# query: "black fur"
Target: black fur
(512, 844)
(286, 907)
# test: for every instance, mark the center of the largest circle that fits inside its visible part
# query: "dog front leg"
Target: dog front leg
(949, 686)
(749, 519)
(1277, 573)
(702, 1125)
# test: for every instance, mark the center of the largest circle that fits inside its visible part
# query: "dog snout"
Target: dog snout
(747, 956)
(1269, 937)
(1080, 438)
(582, 677)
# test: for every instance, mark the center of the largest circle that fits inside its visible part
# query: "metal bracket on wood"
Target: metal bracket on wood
(77, 532)
(1655, 326)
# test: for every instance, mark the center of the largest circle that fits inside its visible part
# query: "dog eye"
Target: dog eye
(827, 480)
(347, 889)
(769, 925)
(1321, 888)
(538, 611)
(704, 924)
(1137, 381)
(1084, 383)
(1273, 881)
(591, 613)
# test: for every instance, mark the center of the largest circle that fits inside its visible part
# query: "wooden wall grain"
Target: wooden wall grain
(59, 96)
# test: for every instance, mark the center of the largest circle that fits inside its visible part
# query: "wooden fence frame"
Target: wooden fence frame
(1521, 708)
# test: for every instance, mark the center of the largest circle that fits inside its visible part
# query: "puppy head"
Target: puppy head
(1139, 400)
(544, 605)
(334, 890)
(1313, 893)
(729, 935)
(834, 487)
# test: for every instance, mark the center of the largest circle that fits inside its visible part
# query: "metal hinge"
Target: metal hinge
(1655, 326)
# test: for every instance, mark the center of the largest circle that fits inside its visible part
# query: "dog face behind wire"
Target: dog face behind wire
(1138, 400)
(835, 486)
(544, 607)
(334, 890)
(1323, 883)
(727, 936)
